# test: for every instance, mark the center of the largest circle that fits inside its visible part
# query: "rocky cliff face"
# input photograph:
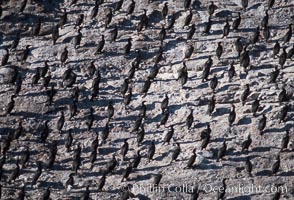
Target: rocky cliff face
(32, 108)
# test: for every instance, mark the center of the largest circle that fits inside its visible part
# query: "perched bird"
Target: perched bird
(37, 27)
(171, 21)
(262, 124)
(276, 166)
(164, 11)
(79, 20)
(108, 17)
(237, 22)
(156, 179)
(187, 4)
(128, 46)
(211, 105)
(205, 141)
(110, 166)
(143, 109)
(5, 58)
(238, 46)
(69, 140)
(266, 33)
(94, 10)
(211, 8)
(100, 45)
(222, 151)
(164, 103)
(255, 37)
(189, 119)
(191, 32)
(110, 110)
(90, 119)
(25, 54)
(285, 141)
(283, 113)
(15, 41)
(162, 34)
(23, 6)
(101, 182)
(151, 151)
(10, 105)
(276, 49)
(245, 94)
(64, 55)
(55, 34)
(213, 82)
(246, 144)
(169, 135)
(219, 50)
(264, 21)
(221, 193)
(38, 173)
(77, 39)
(46, 194)
(189, 51)
(138, 123)
(226, 29)
(63, 18)
(70, 182)
(232, 115)
(127, 171)
(191, 160)
(248, 166)
(113, 34)
(188, 18)
(283, 57)
(18, 131)
(164, 117)
(44, 132)
(60, 122)
(274, 75)
(124, 149)
(175, 153)
(288, 34)
(282, 97)
(207, 27)
(86, 194)
(183, 75)
(255, 107)
(137, 160)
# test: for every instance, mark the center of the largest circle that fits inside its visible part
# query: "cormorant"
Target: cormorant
(78, 38)
(10, 105)
(238, 46)
(191, 160)
(236, 22)
(244, 4)
(288, 35)
(213, 82)
(248, 166)
(222, 192)
(162, 34)
(262, 124)
(264, 21)
(255, 37)
(276, 166)
(255, 107)
(164, 10)
(283, 57)
(64, 55)
(37, 27)
(137, 160)
(113, 34)
(187, 4)
(282, 96)
(226, 29)
(207, 27)
(63, 19)
(101, 182)
(79, 20)
(219, 50)
(68, 141)
(146, 86)
(246, 144)
(211, 8)
(290, 53)
(222, 151)
(169, 135)
(127, 171)
(94, 10)
(211, 105)
(283, 113)
(44, 132)
(128, 46)
(190, 119)
(285, 141)
(188, 18)
(175, 153)
(110, 110)
(183, 75)
(55, 34)
(5, 58)
(156, 179)
(60, 122)
(231, 71)
(118, 5)
(245, 94)
(100, 45)
(151, 151)
(191, 32)
(90, 119)
(274, 75)
(164, 117)
(276, 49)
(205, 141)
(143, 109)
(38, 173)
(232, 115)
(25, 54)
(105, 132)
(270, 3)
(15, 172)
(124, 149)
